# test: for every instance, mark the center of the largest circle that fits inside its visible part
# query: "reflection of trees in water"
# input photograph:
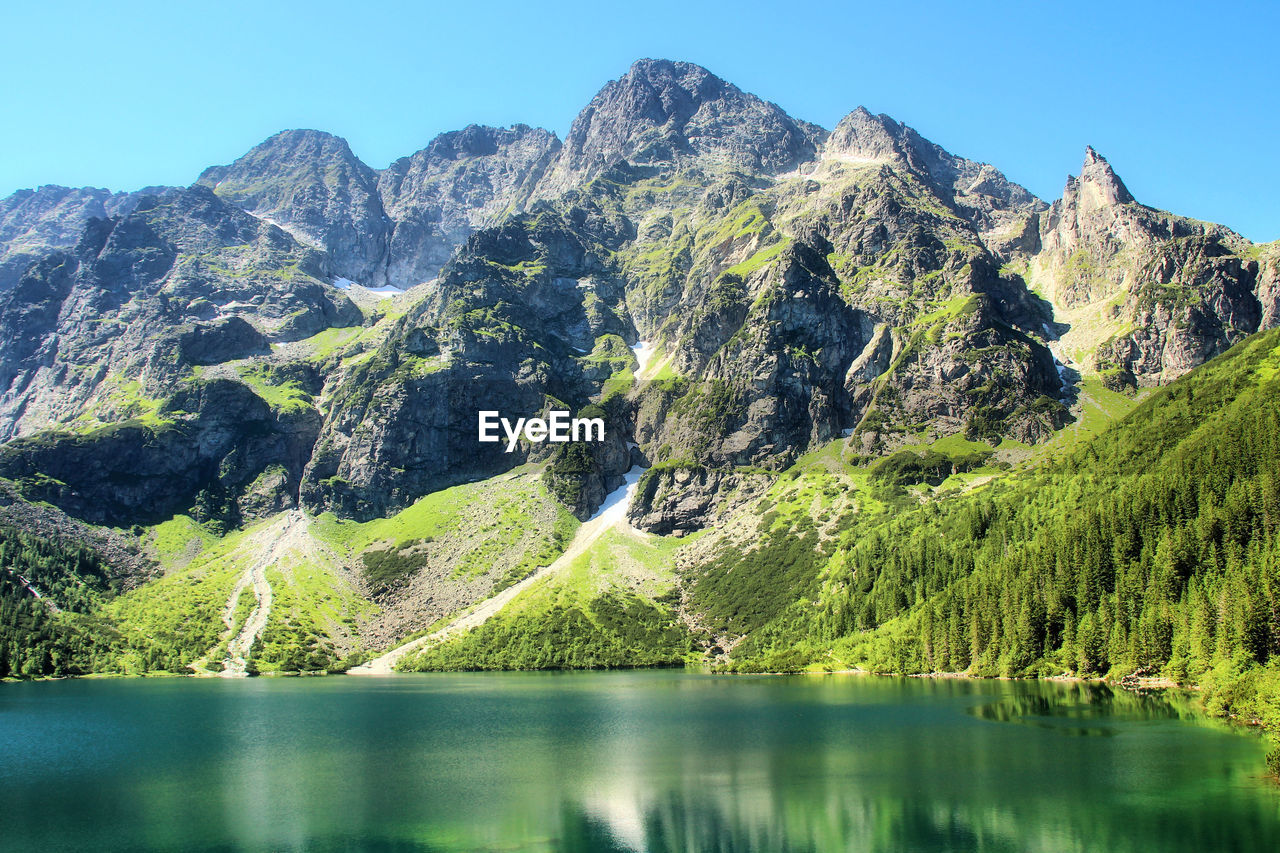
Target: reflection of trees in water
(710, 824)
(1058, 705)
(920, 797)
(849, 819)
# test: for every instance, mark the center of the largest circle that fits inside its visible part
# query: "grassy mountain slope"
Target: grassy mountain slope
(613, 607)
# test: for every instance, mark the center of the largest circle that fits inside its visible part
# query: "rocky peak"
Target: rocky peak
(35, 222)
(667, 112)
(283, 154)
(476, 140)
(1098, 185)
(863, 136)
(462, 180)
(312, 185)
(996, 207)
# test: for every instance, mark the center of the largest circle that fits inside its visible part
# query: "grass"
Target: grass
(182, 611)
(619, 561)
(333, 341)
(121, 399)
(1099, 408)
(756, 261)
(179, 540)
(508, 523)
(612, 606)
(284, 397)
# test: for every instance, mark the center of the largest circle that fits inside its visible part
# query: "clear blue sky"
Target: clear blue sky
(1182, 98)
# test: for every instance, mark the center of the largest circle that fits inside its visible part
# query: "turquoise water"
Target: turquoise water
(657, 760)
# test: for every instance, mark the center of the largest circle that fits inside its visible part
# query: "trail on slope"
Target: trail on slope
(612, 513)
(270, 544)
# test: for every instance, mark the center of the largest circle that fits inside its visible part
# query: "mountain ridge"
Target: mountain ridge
(832, 323)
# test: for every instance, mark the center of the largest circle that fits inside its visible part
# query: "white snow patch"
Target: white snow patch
(386, 289)
(644, 352)
(1060, 364)
(343, 283)
(847, 432)
(614, 508)
(580, 349)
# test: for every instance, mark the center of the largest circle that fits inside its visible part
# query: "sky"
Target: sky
(1182, 98)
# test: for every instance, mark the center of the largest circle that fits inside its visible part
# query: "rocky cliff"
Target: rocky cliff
(1142, 295)
(197, 350)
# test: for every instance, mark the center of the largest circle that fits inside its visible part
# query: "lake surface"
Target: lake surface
(657, 760)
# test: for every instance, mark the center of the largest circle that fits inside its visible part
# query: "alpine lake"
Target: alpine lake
(655, 760)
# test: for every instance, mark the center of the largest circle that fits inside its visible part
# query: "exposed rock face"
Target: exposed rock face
(36, 222)
(463, 180)
(225, 340)
(583, 474)
(506, 323)
(773, 367)
(131, 472)
(1145, 295)
(310, 184)
(160, 352)
(682, 500)
(995, 206)
(676, 112)
(1267, 287)
(105, 343)
(1193, 301)
(1095, 239)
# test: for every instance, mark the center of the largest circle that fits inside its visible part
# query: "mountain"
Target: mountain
(35, 222)
(1144, 295)
(311, 185)
(462, 181)
(677, 113)
(257, 397)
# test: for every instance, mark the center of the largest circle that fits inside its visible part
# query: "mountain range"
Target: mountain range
(239, 417)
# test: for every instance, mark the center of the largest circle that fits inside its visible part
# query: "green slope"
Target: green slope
(614, 606)
(1151, 548)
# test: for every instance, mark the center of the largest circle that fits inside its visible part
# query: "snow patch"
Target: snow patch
(1060, 364)
(644, 352)
(346, 284)
(616, 503)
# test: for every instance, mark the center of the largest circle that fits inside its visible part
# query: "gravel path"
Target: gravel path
(271, 543)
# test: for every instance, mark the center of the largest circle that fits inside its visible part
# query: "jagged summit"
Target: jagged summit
(863, 136)
(1098, 184)
(662, 111)
(477, 140)
(278, 151)
(462, 180)
(311, 184)
(978, 192)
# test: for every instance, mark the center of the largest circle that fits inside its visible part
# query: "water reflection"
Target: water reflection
(660, 761)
